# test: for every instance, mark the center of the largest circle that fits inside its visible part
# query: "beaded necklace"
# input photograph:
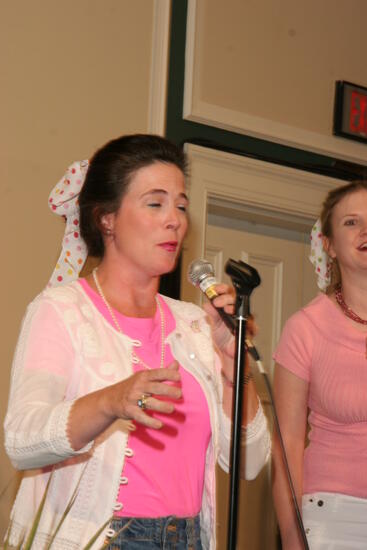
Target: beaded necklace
(135, 358)
(346, 309)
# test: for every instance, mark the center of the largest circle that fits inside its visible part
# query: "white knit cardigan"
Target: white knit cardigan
(40, 402)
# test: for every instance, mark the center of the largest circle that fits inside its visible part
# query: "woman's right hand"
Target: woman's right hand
(93, 413)
(122, 398)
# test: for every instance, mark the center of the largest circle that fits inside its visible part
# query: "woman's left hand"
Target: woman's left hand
(225, 342)
(226, 300)
(222, 336)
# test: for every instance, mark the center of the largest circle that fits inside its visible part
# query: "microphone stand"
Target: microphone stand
(242, 313)
(244, 279)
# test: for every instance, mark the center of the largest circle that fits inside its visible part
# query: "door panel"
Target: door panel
(287, 279)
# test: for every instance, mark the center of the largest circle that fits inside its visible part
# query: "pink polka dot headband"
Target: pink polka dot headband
(319, 258)
(63, 200)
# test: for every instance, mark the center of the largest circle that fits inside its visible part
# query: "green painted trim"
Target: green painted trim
(182, 131)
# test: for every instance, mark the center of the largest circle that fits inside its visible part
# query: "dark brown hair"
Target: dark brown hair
(109, 175)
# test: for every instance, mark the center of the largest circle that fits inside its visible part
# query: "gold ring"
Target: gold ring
(142, 402)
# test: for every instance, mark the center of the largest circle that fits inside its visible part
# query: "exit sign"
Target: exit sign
(350, 111)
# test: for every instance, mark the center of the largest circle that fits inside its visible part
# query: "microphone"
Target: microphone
(201, 274)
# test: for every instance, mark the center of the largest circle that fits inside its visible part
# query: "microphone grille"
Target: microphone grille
(199, 270)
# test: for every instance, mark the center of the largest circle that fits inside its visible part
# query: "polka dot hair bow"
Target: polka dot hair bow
(319, 258)
(63, 200)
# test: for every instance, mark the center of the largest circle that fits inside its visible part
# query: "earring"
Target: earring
(106, 230)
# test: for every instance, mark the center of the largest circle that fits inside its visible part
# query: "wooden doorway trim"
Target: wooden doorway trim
(246, 187)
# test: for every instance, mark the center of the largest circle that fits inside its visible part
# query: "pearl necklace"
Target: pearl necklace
(346, 309)
(135, 358)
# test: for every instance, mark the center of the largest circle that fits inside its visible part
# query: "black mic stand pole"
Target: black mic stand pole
(244, 279)
(242, 313)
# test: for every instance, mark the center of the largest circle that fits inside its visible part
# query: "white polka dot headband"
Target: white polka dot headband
(63, 200)
(319, 258)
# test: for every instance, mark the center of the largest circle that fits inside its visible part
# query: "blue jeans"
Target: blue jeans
(168, 533)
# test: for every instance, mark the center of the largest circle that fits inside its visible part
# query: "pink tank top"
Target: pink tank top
(164, 473)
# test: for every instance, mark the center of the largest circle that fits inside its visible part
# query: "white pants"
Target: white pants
(334, 521)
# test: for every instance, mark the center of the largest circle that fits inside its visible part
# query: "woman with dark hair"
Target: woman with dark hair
(321, 373)
(115, 387)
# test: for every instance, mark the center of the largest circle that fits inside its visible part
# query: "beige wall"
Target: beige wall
(287, 57)
(73, 75)
(268, 68)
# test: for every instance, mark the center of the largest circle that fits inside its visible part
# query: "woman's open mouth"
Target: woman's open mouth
(170, 246)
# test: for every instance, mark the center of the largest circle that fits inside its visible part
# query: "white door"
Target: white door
(287, 282)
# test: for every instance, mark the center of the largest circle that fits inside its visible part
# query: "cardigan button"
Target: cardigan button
(129, 452)
(192, 355)
(123, 480)
(118, 506)
(110, 533)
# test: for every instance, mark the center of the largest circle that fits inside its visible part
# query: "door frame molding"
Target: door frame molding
(288, 196)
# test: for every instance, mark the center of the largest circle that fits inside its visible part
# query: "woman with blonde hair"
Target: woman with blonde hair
(320, 382)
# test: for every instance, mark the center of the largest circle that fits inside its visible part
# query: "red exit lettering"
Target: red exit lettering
(358, 113)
